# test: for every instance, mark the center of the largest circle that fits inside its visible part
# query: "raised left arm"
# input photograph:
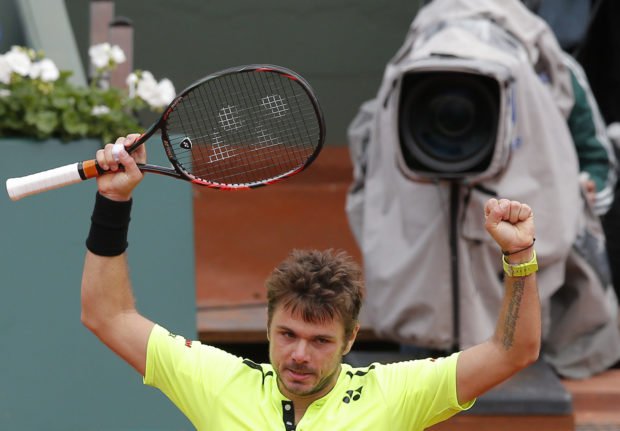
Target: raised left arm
(517, 338)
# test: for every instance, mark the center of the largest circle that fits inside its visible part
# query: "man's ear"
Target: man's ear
(351, 340)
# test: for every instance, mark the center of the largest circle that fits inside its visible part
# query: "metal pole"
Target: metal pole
(101, 15)
(454, 264)
(121, 34)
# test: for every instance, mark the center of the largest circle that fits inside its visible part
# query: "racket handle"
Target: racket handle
(52, 179)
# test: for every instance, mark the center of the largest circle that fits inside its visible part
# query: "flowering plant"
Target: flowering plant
(37, 99)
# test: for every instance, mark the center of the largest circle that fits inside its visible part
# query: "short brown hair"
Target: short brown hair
(319, 285)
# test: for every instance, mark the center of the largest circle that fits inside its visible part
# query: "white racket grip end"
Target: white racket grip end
(43, 181)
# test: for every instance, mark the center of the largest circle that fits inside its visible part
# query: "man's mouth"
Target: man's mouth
(299, 373)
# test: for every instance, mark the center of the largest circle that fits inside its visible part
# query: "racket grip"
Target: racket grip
(52, 179)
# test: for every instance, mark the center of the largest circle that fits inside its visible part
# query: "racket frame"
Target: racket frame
(180, 173)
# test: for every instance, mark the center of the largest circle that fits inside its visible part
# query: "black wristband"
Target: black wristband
(109, 226)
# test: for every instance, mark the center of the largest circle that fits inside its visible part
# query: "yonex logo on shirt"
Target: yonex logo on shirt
(352, 395)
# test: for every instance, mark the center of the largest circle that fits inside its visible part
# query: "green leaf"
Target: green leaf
(45, 122)
(74, 124)
(61, 102)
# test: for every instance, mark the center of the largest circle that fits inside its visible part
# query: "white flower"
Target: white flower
(132, 81)
(166, 91)
(18, 61)
(157, 95)
(99, 54)
(103, 54)
(100, 110)
(4, 92)
(45, 69)
(5, 70)
(147, 87)
(117, 55)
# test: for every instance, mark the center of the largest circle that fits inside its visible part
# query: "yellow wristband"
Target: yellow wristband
(522, 269)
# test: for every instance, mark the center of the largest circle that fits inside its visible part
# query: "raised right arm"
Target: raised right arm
(109, 311)
(108, 306)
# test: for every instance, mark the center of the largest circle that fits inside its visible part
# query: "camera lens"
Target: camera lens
(448, 122)
(452, 115)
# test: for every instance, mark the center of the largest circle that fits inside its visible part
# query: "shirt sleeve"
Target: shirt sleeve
(187, 372)
(423, 391)
(594, 148)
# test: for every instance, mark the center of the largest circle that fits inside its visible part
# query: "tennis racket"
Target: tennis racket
(239, 128)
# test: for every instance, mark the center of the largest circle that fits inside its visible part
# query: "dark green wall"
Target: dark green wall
(340, 46)
(10, 27)
(55, 375)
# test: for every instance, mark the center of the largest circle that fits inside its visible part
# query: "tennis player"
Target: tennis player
(314, 299)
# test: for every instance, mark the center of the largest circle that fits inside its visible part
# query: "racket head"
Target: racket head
(243, 127)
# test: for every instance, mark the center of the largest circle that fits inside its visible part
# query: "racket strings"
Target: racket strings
(244, 128)
(215, 134)
(231, 120)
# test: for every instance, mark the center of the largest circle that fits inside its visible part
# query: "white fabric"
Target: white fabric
(402, 226)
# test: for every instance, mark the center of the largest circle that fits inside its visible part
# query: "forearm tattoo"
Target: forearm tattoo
(512, 315)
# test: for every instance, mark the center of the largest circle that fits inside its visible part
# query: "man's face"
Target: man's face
(306, 356)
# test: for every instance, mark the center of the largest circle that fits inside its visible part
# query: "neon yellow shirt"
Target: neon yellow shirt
(219, 391)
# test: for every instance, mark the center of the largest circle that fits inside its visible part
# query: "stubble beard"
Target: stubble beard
(320, 386)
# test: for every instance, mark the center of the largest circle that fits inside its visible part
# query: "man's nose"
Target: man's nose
(300, 352)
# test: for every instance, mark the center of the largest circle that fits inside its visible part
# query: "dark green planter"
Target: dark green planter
(56, 375)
